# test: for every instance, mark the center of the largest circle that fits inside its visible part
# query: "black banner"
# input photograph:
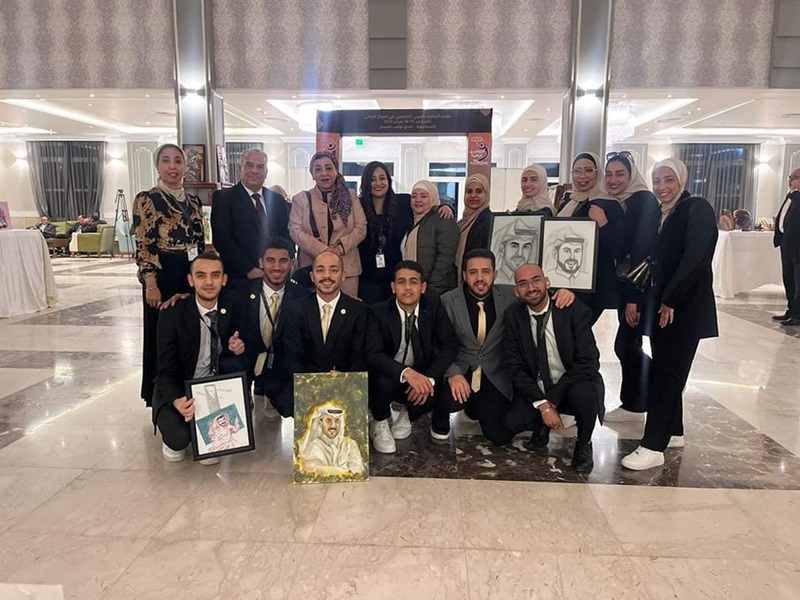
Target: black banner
(405, 122)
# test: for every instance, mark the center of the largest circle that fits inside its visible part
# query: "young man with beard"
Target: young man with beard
(266, 301)
(197, 337)
(554, 364)
(325, 331)
(410, 344)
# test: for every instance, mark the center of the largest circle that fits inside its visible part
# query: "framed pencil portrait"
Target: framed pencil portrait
(223, 421)
(569, 253)
(515, 240)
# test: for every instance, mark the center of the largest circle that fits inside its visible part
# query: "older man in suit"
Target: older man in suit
(554, 364)
(243, 216)
(410, 344)
(266, 301)
(197, 337)
(325, 331)
(787, 238)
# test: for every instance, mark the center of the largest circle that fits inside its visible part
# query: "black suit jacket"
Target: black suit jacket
(576, 347)
(681, 270)
(343, 350)
(435, 347)
(789, 238)
(179, 346)
(236, 228)
(641, 234)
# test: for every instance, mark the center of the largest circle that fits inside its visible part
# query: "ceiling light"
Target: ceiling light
(524, 130)
(669, 95)
(293, 96)
(698, 108)
(91, 95)
(308, 114)
(624, 95)
(548, 110)
(89, 104)
(147, 95)
(147, 122)
(502, 97)
(647, 129)
(38, 96)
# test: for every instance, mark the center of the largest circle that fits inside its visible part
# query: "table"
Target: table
(743, 261)
(27, 283)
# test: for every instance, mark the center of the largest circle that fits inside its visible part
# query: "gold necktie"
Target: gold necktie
(326, 321)
(267, 331)
(476, 374)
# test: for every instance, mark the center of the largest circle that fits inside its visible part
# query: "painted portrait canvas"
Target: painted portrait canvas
(569, 254)
(515, 241)
(331, 442)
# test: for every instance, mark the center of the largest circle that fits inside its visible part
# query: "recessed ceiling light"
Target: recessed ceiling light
(147, 95)
(91, 95)
(89, 104)
(548, 110)
(291, 128)
(91, 126)
(294, 96)
(147, 122)
(646, 129)
(524, 130)
(624, 95)
(502, 97)
(669, 95)
(41, 99)
(699, 108)
(38, 96)
(338, 95)
(258, 110)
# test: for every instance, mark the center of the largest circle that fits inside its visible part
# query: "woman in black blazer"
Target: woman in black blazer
(625, 183)
(590, 199)
(475, 226)
(682, 290)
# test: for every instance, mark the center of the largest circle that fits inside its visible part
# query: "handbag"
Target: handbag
(302, 276)
(639, 275)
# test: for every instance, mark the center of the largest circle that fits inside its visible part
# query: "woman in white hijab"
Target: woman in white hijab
(589, 199)
(682, 286)
(625, 183)
(535, 198)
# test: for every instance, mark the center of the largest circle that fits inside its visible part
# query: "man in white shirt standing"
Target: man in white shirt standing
(554, 364)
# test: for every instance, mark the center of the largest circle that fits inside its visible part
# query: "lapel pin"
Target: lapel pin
(252, 296)
(222, 311)
(343, 311)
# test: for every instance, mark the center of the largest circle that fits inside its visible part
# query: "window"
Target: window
(723, 174)
(355, 169)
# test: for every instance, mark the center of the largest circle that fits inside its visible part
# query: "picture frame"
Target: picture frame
(569, 253)
(195, 163)
(223, 420)
(207, 231)
(5, 216)
(222, 164)
(330, 410)
(515, 239)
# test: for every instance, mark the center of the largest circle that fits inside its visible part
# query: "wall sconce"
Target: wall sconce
(594, 92)
(191, 92)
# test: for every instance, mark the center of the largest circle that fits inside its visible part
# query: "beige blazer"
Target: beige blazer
(349, 234)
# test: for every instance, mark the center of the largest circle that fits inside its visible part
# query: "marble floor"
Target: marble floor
(89, 510)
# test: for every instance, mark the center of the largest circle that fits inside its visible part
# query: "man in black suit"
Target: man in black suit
(266, 301)
(197, 337)
(45, 227)
(554, 364)
(325, 331)
(242, 217)
(787, 238)
(410, 344)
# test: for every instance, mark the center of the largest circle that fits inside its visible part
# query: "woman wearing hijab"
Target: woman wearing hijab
(168, 228)
(338, 216)
(625, 183)
(432, 240)
(475, 226)
(535, 198)
(681, 287)
(589, 198)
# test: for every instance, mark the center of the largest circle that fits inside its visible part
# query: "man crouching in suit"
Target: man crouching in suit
(410, 344)
(554, 364)
(325, 331)
(267, 300)
(197, 337)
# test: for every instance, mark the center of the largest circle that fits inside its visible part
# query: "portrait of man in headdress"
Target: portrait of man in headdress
(514, 243)
(569, 254)
(325, 448)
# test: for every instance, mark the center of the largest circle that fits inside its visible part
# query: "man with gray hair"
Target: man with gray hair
(244, 216)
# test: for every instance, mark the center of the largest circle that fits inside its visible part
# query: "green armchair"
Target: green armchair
(98, 243)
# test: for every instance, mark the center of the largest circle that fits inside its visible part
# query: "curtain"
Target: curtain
(234, 150)
(723, 174)
(67, 178)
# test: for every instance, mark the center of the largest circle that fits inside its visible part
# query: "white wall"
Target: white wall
(770, 187)
(16, 183)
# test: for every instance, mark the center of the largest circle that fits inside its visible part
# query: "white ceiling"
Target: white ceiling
(653, 114)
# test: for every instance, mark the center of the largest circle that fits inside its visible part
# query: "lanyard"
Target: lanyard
(540, 331)
(266, 309)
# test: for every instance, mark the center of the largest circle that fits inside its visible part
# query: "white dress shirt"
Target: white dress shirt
(402, 348)
(553, 357)
(782, 215)
(262, 311)
(203, 366)
(332, 304)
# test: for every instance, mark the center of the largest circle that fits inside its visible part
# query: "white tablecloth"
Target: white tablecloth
(743, 261)
(27, 283)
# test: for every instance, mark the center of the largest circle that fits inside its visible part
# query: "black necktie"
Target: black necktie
(261, 211)
(541, 351)
(409, 332)
(213, 318)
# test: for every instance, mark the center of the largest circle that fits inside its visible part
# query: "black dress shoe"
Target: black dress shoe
(539, 439)
(582, 457)
(782, 317)
(791, 322)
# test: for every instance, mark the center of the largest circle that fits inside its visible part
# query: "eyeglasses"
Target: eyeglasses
(624, 154)
(584, 171)
(524, 284)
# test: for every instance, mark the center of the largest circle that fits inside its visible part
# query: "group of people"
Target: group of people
(393, 285)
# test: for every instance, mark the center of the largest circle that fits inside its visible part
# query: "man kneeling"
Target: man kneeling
(554, 364)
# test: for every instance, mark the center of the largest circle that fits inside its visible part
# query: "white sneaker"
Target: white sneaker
(620, 415)
(381, 435)
(208, 462)
(401, 424)
(568, 420)
(642, 459)
(270, 414)
(172, 456)
(676, 441)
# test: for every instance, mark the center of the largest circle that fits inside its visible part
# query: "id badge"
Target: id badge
(192, 253)
(270, 360)
(380, 260)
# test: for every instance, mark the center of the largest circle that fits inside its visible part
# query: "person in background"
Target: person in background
(45, 227)
(168, 229)
(432, 241)
(535, 198)
(475, 226)
(625, 183)
(281, 191)
(682, 288)
(787, 238)
(338, 216)
(589, 198)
